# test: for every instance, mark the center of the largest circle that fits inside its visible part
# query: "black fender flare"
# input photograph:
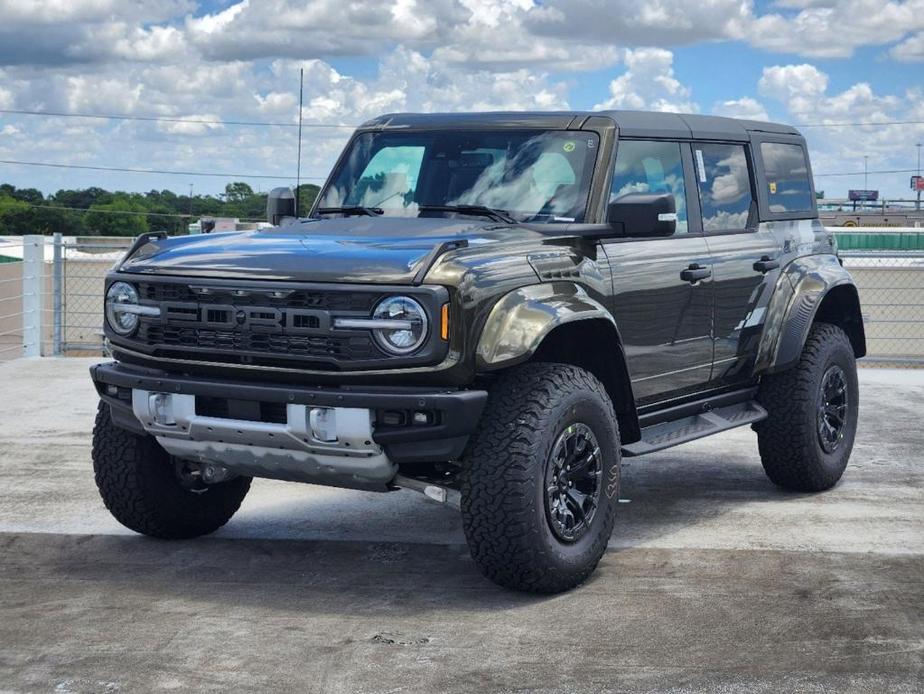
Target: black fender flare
(805, 286)
(521, 321)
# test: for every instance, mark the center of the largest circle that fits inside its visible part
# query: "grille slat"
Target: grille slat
(342, 348)
(296, 298)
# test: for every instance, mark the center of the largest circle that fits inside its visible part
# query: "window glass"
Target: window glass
(538, 176)
(389, 179)
(644, 166)
(724, 186)
(786, 172)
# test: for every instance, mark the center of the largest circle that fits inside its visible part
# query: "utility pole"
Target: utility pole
(918, 204)
(190, 199)
(865, 172)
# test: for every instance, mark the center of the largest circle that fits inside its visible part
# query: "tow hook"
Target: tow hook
(434, 492)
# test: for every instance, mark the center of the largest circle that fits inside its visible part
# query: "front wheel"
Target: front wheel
(540, 480)
(807, 438)
(154, 494)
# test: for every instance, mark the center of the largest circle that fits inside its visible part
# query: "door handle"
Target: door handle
(695, 273)
(766, 264)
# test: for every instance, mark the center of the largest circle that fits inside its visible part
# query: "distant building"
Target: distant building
(207, 225)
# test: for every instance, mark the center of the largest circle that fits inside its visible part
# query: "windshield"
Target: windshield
(531, 175)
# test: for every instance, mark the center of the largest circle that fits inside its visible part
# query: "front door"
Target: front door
(662, 288)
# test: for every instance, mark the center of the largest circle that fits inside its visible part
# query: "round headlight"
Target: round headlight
(413, 331)
(121, 294)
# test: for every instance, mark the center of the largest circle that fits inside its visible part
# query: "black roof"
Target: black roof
(630, 123)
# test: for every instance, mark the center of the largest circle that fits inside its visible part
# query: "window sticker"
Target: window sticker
(701, 166)
(773, 187)
(568, 146)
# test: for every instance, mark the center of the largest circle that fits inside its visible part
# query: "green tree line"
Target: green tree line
(99, 212)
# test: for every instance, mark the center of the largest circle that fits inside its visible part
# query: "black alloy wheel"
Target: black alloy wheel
(832, 408)
(572, 482)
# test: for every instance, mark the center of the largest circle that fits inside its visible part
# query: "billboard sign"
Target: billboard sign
(863, 195)
(917, 183)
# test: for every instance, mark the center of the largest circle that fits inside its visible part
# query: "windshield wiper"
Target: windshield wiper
(480, 210)
(352, 210)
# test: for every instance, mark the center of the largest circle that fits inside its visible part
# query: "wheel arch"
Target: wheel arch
(560, 322)
(811, 289)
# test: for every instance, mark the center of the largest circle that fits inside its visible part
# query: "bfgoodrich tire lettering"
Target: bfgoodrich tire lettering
(138, 482)
(504, 511)
(796, 445)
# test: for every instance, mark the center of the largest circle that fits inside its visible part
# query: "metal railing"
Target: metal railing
(23, 279)
(51, 297)
(51, 294)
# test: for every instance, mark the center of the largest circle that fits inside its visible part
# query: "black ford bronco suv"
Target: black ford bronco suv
(492, 309)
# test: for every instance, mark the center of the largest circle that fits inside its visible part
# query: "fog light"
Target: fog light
(322, 422)
(160, 406)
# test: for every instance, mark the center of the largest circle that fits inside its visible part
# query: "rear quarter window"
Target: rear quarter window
(786, 177)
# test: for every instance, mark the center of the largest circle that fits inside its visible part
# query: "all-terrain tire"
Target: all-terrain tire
(138, 482)
(789, 441)
(504, 511)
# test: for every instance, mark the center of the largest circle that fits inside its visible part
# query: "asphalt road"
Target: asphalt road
(714, 581)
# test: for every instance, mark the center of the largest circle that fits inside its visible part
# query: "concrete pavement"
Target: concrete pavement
(715, 579)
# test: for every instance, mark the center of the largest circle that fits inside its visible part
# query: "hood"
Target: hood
(387, 250)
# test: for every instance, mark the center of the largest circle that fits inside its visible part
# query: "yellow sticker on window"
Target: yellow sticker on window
(568, 147)
(773, 187)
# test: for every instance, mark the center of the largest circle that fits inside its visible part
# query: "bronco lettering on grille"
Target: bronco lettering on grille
(258, 319)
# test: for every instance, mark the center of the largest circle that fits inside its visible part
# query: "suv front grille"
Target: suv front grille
(255, 324)
(268, 324)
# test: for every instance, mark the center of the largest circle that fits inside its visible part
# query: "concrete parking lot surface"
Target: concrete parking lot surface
(714, 580)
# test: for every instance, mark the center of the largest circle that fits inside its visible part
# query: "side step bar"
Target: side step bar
(695, 420)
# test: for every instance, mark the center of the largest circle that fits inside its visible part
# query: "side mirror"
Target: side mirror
(280, 203)
(644, 214)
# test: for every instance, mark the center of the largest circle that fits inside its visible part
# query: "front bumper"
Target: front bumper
(241, 435)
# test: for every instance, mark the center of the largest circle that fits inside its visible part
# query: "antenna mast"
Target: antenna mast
(298, 166)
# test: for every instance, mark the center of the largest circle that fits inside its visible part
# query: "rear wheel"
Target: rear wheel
(807, 438)
(540, 481)
(149, 491)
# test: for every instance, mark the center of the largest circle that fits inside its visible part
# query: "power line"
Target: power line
(279, 124)
(169, 119)
(861, 173)
(156, 171)
(858, 124)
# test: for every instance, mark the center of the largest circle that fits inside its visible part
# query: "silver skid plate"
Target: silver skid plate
(262, 449)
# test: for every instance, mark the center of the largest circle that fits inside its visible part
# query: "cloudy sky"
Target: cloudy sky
(811, 62)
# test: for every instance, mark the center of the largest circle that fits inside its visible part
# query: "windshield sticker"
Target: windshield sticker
(701, 166)
(568, 146)
(773, 187)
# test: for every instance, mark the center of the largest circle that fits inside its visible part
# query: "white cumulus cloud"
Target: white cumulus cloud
(649, 83)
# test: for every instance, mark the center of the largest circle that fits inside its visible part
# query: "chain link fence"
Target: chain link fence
(891, 287)
(83, 265)
(67, 309)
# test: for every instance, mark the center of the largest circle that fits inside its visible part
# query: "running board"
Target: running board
(689, 427)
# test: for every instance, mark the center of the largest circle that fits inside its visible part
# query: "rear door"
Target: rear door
(745, 255)
(662, 293)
